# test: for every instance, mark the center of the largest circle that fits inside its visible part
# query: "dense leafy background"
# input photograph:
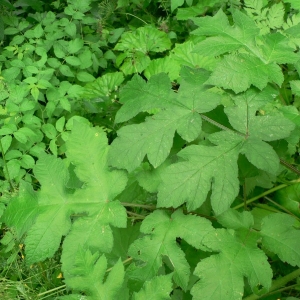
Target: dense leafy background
(150, 149)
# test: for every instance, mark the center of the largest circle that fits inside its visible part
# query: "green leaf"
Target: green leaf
(176, 3)
(89, 272)
(66, 71)
(13, 167)
(5, 143)
(190, 181)
(280, 236)
(22, 210)
(232, 219)
(255, 64)
(158, 288)
(295, 86)
(60, 123)
(75, 45)
(154, 138)
(73, 61)
(85, 76)
(144, 40)
(21, 137)
(239, 72)
(222, 275)
(256, 129)
(49, 131)
(27, 162)
(161, 231)
(104, 85)
(87, 149)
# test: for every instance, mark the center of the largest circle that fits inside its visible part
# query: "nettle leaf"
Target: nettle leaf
(255, 59)
(281, 236)
(176, 112)
(161, 230)
(257, 129)
(89, 273)
(222, 275)
(206, 168)
(138, 45)
(103, 86)
(144, 39)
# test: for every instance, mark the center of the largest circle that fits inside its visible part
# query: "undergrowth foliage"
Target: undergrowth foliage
(150, 158)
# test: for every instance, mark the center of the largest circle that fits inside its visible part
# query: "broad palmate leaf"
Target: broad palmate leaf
(176, 112)
(55, 202)
(215, 167)
(251, 60)
(222, 275)
(207, 167)
(257, 129)
(161, 231)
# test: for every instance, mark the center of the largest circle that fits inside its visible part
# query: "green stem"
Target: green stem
(151, 207)
(6, 168)
(211, 121)
(52, 290)
(277, 284)
(282, 208)
(270, 191)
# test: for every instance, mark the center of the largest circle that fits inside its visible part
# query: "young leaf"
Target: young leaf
(222, 275)
(280, 236)
(161, 231)
(89, 272)
(158, 288)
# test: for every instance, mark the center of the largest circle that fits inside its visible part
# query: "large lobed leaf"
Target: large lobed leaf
(222, 275)
(161, 230)
(46, 214)
(176, 112)
(248, 59)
